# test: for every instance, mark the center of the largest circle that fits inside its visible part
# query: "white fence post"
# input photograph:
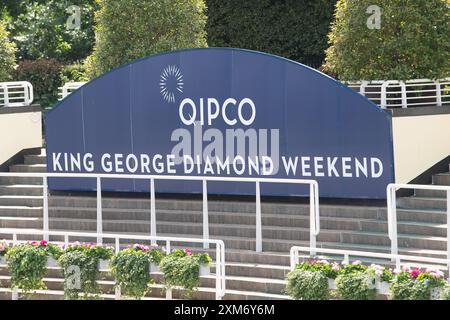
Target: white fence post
(152, 210)
(393, 202)
(448, 225)
(438, 94)
(258, 219)
(99, 210)
(45, 207)
(205, 214)
(312, 220)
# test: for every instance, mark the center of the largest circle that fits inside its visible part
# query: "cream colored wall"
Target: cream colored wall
(19, 131)
(419, 143)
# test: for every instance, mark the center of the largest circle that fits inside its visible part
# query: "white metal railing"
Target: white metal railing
(399, 259)
(313, 198)
(68, 88)
(404, 94)
(219, 259)
(392, 210)
(16, 94)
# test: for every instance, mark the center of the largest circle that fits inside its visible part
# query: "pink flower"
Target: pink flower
(188, 252)
(357, 262)
(414, 272)
(43, 243)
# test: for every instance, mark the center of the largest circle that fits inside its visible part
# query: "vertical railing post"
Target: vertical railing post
(438, 94)
(205, 215)
(99, 211)
(117, 291)
(393, 222)
(152, 210)
(218, 273)
(312, 220)
(168, 290)
(448, 226)
(45, 207)
(258, 219)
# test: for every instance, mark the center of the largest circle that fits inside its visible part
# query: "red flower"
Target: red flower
(414, 272)
(43, 243)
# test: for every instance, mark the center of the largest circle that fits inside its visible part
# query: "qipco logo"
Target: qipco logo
(206, 111)
(374, 20)
(74, 19)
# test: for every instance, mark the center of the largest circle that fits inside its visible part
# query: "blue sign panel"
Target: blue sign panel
(221, 112)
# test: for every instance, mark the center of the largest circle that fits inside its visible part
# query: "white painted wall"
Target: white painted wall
(420, 142)
(19, 131)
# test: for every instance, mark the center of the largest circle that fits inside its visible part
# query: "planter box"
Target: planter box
(205, 271)
(331, 284)
(382, 287)
(435, 293)
(103, 265)
(52, 263)
(3, 260)
(154, 268)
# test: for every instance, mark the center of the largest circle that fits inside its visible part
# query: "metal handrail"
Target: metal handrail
(294, 256)
(313, 195)
(441, 96)
(392, 210)
(220, 249)
(16, 94)
(68, 88)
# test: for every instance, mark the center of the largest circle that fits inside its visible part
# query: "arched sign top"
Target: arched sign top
(224, 112)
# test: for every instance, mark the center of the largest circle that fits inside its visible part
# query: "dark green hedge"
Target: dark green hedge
(295, 29)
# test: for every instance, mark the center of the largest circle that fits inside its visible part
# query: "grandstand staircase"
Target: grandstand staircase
(250, 275)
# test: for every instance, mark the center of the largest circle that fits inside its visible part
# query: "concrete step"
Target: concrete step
(430, 193)
(442, 179)
(422, 203)
(35, 159)
(21, 190)
(405, 241)
(20, 211)
(27, 201)
(219, 206)
(28, 168)
(20, 180)
(20, 222)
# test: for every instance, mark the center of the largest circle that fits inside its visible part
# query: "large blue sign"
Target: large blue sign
(221, 112)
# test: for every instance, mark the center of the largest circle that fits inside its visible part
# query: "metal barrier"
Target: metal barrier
(68, 88)
(404, 94)
(220, 250)
(392, 210)
(313, 195)
(16, 94)
(399, 259)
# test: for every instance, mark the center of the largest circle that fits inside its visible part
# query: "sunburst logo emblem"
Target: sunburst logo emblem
(171, 82)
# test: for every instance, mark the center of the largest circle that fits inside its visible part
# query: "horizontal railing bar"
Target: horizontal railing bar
(372, 255)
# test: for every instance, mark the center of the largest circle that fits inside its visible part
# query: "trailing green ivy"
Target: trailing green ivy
(307, 285)
(27, 264)
(356, 286)
(80, 268)
(181, 268)
(131, 269)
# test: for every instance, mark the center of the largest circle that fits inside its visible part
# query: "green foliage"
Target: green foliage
(415, 284)
(80, 268)
(75, 72)
(131, 269)
(41, 32)
(307, 285)
(356, 285)
(45, 77)
(7, 54)
(445, 295)
(130, 29)
(295, 29)
(27, 264)
(412, 42)
(181, 268)
(330, 270)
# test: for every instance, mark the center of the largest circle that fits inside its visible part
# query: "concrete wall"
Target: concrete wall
(20, 128)
(420, 142)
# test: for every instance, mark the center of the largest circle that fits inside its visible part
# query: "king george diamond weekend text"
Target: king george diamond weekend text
(299, 166)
